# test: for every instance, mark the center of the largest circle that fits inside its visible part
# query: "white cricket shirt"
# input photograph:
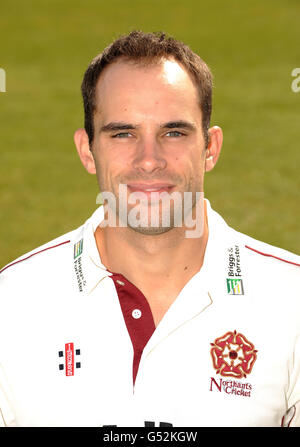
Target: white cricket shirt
(78, 344)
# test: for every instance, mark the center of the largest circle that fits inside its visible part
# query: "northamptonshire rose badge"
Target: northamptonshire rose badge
(233, 355)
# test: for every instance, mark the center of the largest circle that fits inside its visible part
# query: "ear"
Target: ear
(214, 147)
(81, 141)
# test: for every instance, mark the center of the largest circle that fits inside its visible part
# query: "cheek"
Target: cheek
(195, 172)
(190, 163)
(109, 173)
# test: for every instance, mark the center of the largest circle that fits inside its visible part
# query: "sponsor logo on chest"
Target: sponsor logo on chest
(234, 281)
(233, 356)
(69, 359)
(81, 281)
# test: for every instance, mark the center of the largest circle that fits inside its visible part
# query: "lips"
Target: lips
(150, 187)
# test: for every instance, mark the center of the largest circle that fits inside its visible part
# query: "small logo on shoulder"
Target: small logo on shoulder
(81, 281)
(234, 272)
(78, 248)
(235, 286)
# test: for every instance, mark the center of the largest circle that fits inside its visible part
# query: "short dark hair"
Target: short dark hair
(143, 49)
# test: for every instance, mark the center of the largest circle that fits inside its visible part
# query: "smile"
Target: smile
(148, 188)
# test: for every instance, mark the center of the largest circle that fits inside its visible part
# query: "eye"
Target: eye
(175, 133)
(122, 135)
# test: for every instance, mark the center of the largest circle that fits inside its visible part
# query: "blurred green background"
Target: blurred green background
(251, 46)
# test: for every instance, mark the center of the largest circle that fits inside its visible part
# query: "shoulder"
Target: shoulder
(258, 253)
(53, 253)
(271, 254)
(280, 266)
(268, 276)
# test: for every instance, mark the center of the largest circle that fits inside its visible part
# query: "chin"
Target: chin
(151, 231)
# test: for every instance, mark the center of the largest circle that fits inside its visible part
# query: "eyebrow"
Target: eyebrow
(179, 125)
(120, 125)
(113, 126)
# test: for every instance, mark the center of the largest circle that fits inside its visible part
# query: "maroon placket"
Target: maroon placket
(137, 316)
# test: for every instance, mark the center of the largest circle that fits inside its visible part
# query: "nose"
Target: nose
(149, 155)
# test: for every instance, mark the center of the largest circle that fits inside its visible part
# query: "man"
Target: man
(150, 314)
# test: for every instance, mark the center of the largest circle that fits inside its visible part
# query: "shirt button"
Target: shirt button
(136, 313)
(120, 282)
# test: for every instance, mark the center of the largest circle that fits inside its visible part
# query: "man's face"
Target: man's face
(148, 133)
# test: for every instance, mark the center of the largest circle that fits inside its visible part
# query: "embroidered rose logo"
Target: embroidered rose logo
(233, 355)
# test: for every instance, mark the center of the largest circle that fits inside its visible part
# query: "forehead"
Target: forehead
(168, 70)
(127, 84)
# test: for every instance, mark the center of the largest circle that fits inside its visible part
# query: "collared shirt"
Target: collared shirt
(78, 344)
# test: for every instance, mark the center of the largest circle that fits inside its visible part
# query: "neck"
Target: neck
(140, 258)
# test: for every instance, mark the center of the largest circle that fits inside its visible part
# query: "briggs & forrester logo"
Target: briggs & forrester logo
(235, 286)
(234, 281)
(78, 248)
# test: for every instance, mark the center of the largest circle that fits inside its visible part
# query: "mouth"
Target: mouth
(148, 188)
